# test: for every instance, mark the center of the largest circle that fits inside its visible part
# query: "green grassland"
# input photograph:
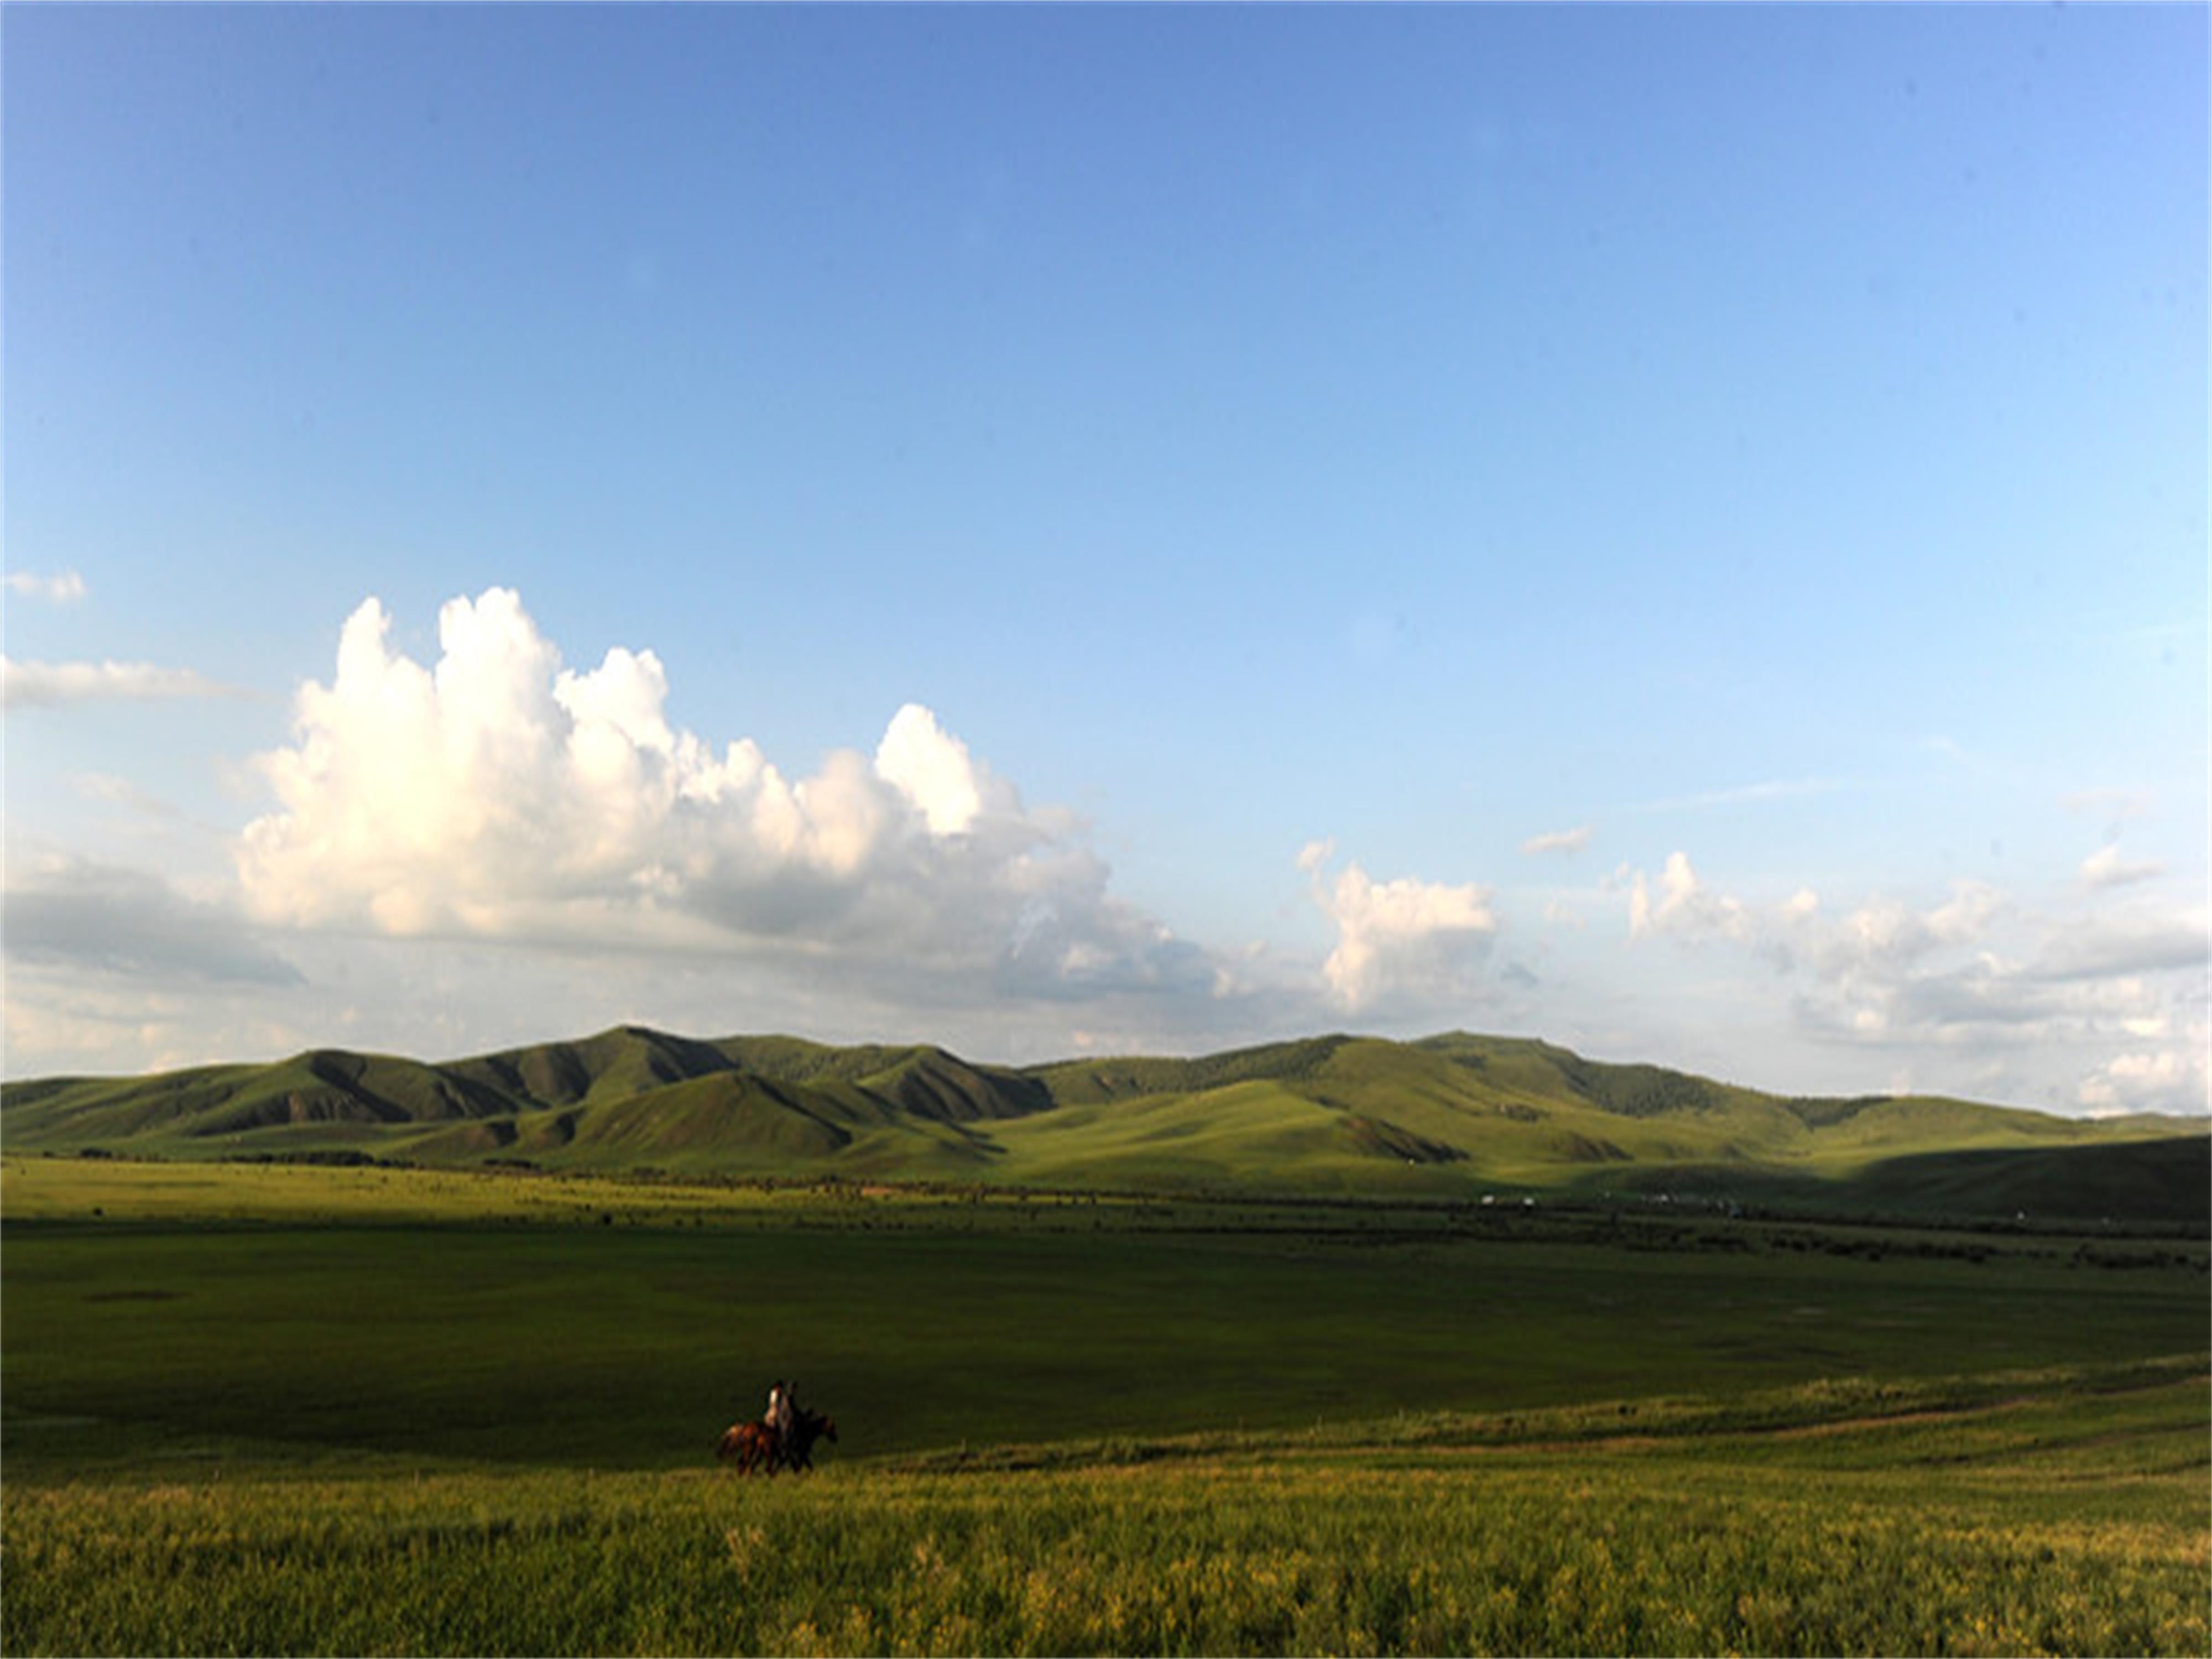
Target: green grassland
(2066, 1516)
(1448, 1116)
(534, 1318)
(273, 1407)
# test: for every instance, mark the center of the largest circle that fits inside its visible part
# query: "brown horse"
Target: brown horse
(750, 1445)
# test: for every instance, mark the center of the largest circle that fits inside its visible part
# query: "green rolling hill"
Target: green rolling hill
(1452, 1115)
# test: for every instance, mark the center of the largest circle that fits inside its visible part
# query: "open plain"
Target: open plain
(278, 1408)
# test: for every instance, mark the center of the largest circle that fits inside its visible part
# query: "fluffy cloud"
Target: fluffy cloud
(66, 587)
(933, 771)
(1974, 975)
(40, 684)
(1404, 941)
(1884, 940)
(1685, 906)
(499, 794)
(2167, 1080)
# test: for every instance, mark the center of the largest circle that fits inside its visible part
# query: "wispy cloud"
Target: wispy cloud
(2105, 868)
(121, 792)
(2117, 805)
(1745, 794)
(46, 685)
(64, 588)
(1558, 841)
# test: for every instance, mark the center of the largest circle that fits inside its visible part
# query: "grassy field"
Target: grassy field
(270, 1409)
(2066, 1517)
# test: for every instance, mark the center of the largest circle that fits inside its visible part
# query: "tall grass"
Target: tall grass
(2076, 1522)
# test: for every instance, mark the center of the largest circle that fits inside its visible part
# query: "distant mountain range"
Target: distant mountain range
(1450, 1116)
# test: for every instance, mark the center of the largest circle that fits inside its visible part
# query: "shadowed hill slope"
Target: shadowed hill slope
(1451, 1116)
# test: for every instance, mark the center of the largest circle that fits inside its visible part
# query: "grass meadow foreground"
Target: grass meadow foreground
(272, 1410)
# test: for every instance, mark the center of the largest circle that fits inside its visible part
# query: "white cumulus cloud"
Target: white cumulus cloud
(933, 770)
(1405, 940)
(1684, 905)
(498, 794)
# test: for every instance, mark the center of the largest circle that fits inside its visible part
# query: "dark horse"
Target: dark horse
(751, 1445)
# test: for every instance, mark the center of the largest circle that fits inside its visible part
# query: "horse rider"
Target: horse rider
(782, 1412)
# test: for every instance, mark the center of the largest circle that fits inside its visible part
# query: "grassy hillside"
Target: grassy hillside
(1452, 1115)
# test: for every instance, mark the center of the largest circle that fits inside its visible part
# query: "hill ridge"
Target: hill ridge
(1456, 1113)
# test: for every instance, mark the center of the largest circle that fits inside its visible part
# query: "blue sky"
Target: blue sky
(1680, 531)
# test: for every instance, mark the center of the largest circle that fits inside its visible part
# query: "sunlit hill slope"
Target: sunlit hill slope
(1450, 1115)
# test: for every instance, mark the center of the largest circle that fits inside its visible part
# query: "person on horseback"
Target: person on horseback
(782, 1412)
